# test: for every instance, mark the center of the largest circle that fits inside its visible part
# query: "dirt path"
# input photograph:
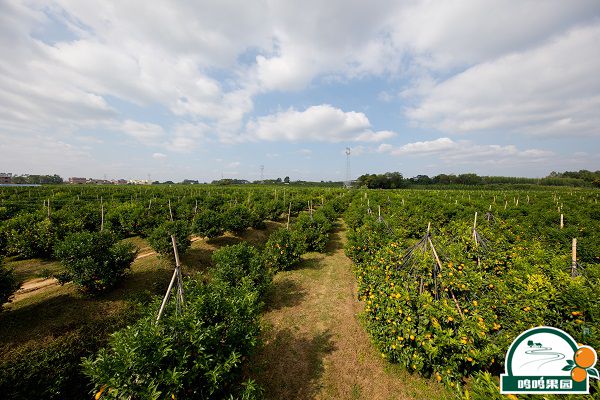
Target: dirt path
(315, 347)
(32, 286)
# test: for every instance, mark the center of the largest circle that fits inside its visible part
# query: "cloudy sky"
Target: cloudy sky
(204, 89)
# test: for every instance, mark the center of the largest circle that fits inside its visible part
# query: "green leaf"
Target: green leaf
(570, 362)
(567, 368)
(593, 372)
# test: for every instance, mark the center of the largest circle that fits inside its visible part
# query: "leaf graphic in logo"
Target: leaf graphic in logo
(570, 362)
(567, 367)
(593, 372)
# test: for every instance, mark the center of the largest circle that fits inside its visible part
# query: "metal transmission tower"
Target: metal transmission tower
(348, 182)
(262, 173)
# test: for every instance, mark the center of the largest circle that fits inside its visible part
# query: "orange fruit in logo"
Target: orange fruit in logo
(578, 374)
(585, 357)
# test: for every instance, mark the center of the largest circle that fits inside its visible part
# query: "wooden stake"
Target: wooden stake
(474, 229)
(101, 215)
(562, 224)
(287, 226)
(574, 258)
(170, 210)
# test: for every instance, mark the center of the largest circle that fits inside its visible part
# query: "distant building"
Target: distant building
(99, 182)
(139, 181)
(120, 182)
(5, 178)
(77, 181)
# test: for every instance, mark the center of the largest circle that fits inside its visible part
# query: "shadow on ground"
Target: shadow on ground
(291, 365)
(285, 293)
(335, 240)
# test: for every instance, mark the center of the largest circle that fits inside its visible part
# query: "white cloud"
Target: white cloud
(427, 147)
(187, 137)
(159, 156)
(322, 123)
(69, 69)
(445, 34)
(41, 154)
(234, 164)
(467, 152)
(146, 133)
(549, 90)
(385, 96)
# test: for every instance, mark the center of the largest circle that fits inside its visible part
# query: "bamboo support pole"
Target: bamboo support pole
(574, 258)
(439, 263)
(176, 276)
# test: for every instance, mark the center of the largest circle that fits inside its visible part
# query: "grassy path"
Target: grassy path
(315, 347)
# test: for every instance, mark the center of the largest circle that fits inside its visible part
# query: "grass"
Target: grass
(33, 268)
(140, 243)
(314, 345)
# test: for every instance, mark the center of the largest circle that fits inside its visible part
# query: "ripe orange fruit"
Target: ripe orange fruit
(578, 374)
(585, 357)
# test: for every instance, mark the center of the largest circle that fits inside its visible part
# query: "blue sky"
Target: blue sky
(200, 90)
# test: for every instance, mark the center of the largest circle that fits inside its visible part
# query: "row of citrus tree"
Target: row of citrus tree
(199, 352)
(97, 261)
(86, 239)
(453, 313)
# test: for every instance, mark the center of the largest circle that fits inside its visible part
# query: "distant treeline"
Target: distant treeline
(278, 181)
(395, 180)
(389, 180)
(36, 179)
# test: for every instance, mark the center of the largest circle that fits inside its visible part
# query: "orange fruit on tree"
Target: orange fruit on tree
(585, 357)
(578, 374)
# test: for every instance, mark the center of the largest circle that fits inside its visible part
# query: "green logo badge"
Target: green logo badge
(547, 360)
